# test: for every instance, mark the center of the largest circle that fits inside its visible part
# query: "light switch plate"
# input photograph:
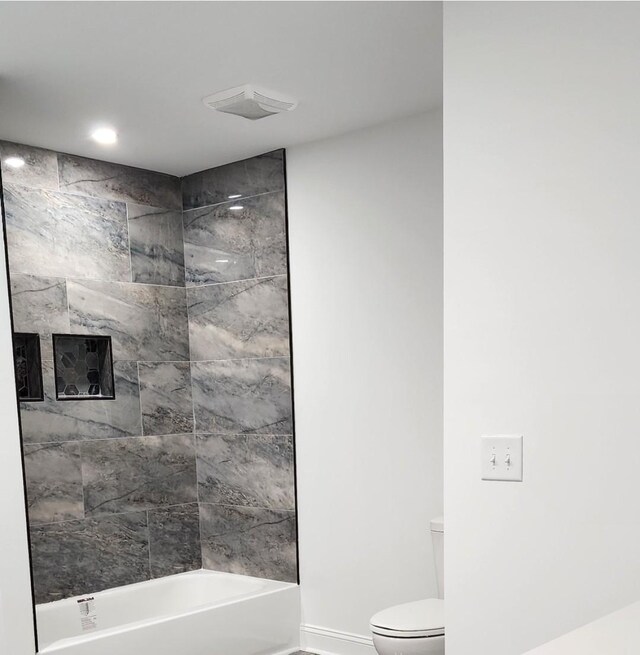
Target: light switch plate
(502, 457)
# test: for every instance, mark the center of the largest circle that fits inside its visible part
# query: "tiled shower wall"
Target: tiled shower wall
(237, 300)
(192, 463)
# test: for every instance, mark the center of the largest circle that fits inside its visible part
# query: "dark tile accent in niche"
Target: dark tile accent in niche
(83, 367)
(28, 364)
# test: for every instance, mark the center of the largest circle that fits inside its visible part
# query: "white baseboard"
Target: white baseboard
(325, 641)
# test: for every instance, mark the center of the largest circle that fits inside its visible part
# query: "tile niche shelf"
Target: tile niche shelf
(26, 355)
(83, 367)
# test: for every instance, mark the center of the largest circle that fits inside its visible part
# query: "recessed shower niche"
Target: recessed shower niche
(83, 367)
(26, 354)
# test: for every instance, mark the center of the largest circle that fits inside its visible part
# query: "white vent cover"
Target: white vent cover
(250, 102)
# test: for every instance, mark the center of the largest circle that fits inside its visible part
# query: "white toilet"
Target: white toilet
(415, 628)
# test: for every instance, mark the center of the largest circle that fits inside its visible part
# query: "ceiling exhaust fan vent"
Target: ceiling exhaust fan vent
(250, 102)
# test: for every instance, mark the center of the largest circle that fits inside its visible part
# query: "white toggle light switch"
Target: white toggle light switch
(502, 457)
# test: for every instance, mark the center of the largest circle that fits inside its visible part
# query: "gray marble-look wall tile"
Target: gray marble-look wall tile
(54, 482)
(62, 235)
(102, 179)
(165, 397)
(87, 556)
(249, 541)
(248, 177)
(247, 470)
(123, 475)
(40, 168)
(145, 322)
(242, 396)
(239, 319)
(223, 245)
(157, 251)
(174, 540)
(75, 420)
(39, 304)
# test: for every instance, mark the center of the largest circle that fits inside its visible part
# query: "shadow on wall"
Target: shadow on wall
(192, 463)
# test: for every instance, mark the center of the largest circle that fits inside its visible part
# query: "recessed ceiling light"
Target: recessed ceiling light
(234, 196)
(105, 136)
(14, 162)
(236, 207)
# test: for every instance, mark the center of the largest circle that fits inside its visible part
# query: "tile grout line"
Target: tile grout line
(77, 194)
(199, 361)
(66, 293)
(240, 359)
(230, 202)
(64, 190)
(148, 542)
(244, 279)
(84, 500)
(126, 206)
(271, 509)
(57, 171)
(106, 515)
(142, 434)
(80, 280)
(198, 505)
(182, 241)
(158, 436)
(193, 402)
(187, 361)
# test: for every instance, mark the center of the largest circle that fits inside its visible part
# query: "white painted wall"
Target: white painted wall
(365, 220)
(542, 316)
(16, 612)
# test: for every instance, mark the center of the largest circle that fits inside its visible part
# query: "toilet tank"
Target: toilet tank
(437, 538)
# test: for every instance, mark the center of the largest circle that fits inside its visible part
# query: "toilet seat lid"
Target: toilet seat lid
(422, 618)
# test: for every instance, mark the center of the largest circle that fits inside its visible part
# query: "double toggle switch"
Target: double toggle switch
(507, 460)
(502, 457)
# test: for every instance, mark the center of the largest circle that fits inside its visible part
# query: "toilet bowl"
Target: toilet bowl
(410, 629)
(415, 628)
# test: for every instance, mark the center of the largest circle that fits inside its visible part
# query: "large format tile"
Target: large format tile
(242, 396)
(103, 179)
(157, 251)
(249, 177)
(86, 556)
(223, 245)
(248, 470)
(145, 322)
(122, 475)
(249, 541)
(40, 167)
(54, 482)
(39, 304)
(165, 397)
(239, 319)
(174, 540)
(74, 420)
(58, 234)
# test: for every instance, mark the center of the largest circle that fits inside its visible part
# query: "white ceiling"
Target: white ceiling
(144, 67)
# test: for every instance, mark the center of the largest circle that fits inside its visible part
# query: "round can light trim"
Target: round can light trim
(105, 136)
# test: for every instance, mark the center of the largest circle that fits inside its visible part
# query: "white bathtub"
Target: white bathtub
(197, 613)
